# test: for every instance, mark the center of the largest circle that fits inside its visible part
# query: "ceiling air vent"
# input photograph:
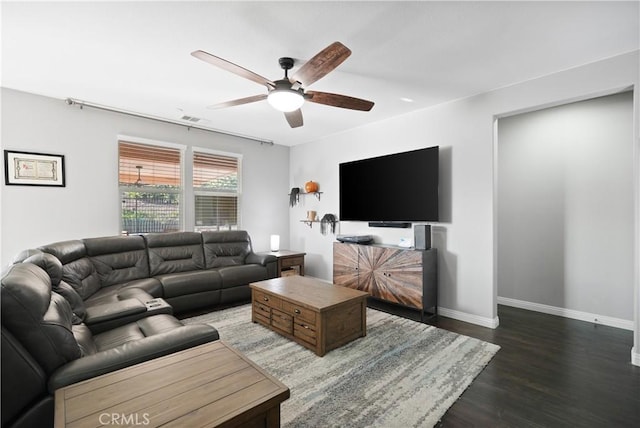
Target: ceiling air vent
(192, 119)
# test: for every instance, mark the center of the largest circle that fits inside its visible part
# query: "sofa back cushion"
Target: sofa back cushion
(118, 259)
(37, 317)
(24, 254)
(50, 264)
(77, 269)
(226, 248)
(174, 252)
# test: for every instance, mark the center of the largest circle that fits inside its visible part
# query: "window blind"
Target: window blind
(215, 172)
(146, 165)
(216, 189)
(150, 188)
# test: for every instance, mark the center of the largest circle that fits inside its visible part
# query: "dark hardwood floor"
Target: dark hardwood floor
(550, 372)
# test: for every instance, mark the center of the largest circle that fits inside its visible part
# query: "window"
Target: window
(163, 191)
(150, 187)
(216, 190)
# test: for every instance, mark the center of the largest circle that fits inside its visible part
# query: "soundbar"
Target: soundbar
(399, 224)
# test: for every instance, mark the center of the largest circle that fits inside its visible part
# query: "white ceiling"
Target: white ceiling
(136, 55)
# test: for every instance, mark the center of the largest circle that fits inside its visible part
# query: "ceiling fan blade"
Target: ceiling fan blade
(294, 118)
(337, 100)
(231, 67)
(239, 101)
(321, 64)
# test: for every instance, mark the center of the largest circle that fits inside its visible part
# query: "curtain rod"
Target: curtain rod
(82, 104)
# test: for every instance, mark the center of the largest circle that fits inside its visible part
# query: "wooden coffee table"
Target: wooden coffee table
(313, 313)
(209, 385)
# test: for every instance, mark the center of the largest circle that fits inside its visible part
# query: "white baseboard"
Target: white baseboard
(470, 318)
(635, 357)
(568, 313)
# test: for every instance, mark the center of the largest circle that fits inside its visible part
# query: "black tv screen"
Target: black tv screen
(401, 187)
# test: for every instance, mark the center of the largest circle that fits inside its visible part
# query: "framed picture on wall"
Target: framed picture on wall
(33, 169)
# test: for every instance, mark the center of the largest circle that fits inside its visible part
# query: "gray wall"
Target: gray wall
(565, 207)
(89, 204)
(465, 131)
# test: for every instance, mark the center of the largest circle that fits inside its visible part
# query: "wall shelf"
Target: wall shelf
(294, 198)
(310, 222)
(317, 195)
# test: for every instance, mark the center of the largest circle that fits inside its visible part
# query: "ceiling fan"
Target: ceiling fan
(289, 94)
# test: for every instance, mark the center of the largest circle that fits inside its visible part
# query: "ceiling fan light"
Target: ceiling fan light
(285, 100)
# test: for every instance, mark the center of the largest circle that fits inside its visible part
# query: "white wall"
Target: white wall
(464, 130)
(565, 209)
(89, 204)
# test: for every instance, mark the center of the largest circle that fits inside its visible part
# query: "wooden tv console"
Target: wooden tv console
(403, 276)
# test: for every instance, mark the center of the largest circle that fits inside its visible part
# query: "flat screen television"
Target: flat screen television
(396, 188)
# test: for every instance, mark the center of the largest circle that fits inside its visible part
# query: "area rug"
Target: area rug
(401, 374)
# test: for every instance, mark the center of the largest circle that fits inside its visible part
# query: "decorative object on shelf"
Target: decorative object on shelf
(328, 220)
(311, 215)
(294, 196)
(33, 169)
(311, 187)
(275, 242)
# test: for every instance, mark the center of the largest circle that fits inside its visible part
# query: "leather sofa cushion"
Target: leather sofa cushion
(134, 351)
(77, 304)
(50, 264)
(77, 269)
(178, 284)
(140, 329)
(66, 251)
(37, 317)
(82, 276)
(84, 337)
(228, 248)
(24, 254)
(118, 259)
(233, 276)
(174, 252)
(53, 267)
(141, 289)
(113, 244)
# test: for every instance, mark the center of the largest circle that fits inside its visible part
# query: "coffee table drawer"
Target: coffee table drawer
(282, 321)
(267, 299)
(299, 312)
(305, 332)
(262, 313)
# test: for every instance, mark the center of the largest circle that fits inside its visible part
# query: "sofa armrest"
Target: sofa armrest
(109, 311)
(132, 353)
(261, 259)
(108, 316)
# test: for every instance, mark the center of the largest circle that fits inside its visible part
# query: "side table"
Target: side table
(289, 261)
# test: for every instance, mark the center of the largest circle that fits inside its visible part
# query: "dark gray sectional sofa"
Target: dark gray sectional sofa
(76, 309)
(189, 270)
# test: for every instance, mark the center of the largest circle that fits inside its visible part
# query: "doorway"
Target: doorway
(565, 231)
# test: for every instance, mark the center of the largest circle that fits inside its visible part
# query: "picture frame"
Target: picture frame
(33, 169)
